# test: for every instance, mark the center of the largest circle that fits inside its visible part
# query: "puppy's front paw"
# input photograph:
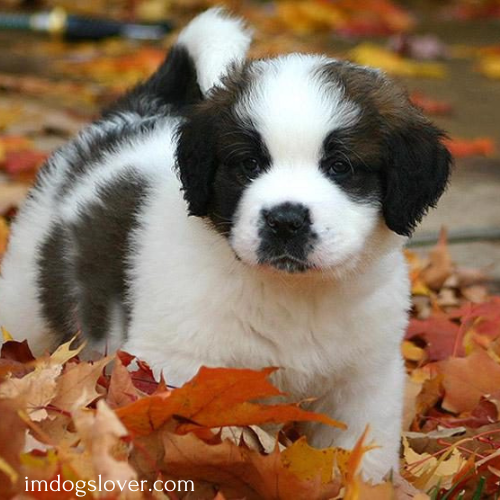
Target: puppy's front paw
(379, 464)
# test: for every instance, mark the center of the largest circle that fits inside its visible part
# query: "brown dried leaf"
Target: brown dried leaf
(466, 380)
(76, 387)
(240, 472)
(440, 265)
(36, 390)
(121, 390)
(101, 432)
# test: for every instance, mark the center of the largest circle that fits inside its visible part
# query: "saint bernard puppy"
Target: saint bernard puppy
(239, 213)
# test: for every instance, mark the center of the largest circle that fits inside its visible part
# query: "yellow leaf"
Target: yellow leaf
(490, 66)
(4, 235)
(431, 471)
(383, 491)
(31, 461)
(8, 471)
(7, 337)
(411, 352)
(9, 115)
(306, 462)
(418, 287)
(370, 54)
(64, 352)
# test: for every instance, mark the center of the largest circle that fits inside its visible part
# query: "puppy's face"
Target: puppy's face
(302, 161)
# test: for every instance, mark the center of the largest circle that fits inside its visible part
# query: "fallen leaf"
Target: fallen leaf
(462, 148)
(489, 66)
(65, 352)
(12, 195)
(466, 380)
(440, 266)
(16, 351)
(36, 390)
(19, 162)
(429, 105)
(4, 236)
(369, 54)
(382, 491)
(377, 17)
(12, 438)
(431, 471)
(240, 472)
(9, 115)
(76, 387)
(121, 390)
(306, 462)
(101, 432)
(411, 352)
(443, 337)
(216, 397)
(412, 389)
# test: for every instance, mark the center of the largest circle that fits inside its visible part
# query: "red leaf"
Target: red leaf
(440, 334)
(466, 380)
(17, 162)
(429, 105)
(462, 148)
(17, 351)
(486, 316)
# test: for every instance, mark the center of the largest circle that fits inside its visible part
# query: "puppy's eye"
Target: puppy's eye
(251, 167)
(337, 168)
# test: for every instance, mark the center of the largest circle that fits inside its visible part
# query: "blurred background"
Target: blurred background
(61, 61)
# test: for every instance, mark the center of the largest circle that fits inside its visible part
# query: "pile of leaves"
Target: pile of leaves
(452, 350)
(110, 419)
(67, 418)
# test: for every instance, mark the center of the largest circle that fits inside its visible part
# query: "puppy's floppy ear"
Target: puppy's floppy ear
(416, 175)
(196, 161)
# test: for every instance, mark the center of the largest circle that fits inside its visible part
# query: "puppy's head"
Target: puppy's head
(303, 162)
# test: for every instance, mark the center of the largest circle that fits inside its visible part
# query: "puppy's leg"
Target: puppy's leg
(371, 398)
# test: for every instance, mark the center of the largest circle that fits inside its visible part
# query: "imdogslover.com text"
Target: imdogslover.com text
(82, 487)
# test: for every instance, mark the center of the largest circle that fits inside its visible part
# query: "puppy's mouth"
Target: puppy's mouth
(287, 263)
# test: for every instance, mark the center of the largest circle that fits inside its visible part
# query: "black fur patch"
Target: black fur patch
(56, 290)
(88, 152)
(90, 266)
(416, 175)
(211, 144)
(168, 91)
(363, 183)
(82, 268)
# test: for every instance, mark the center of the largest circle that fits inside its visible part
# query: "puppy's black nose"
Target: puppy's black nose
(287, 219)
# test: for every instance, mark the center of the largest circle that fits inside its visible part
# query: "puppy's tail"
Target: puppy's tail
(215, 41)
(205, 50)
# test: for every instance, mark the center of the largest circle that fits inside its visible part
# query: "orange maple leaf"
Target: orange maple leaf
(216, 397)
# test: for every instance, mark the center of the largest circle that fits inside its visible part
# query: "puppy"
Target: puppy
(243, 214)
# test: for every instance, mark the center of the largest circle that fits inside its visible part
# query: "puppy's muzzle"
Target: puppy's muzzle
(286, 237)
